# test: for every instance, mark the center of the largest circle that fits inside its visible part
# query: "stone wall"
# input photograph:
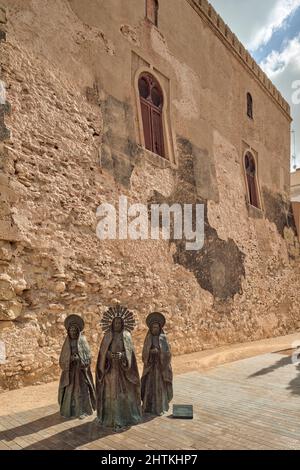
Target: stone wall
(73, 145)
(295, 185)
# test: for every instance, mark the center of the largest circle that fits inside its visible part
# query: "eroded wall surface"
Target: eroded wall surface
(73, 143)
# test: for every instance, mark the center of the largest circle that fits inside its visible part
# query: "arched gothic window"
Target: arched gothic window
(251, 176)
(152, 102)
(152, 7)
(249, 106)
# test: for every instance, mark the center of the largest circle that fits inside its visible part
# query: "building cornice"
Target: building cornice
(206, 11)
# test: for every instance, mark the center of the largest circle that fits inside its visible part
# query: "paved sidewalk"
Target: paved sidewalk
(249, 404)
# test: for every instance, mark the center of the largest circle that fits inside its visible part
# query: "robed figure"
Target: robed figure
(76, 394)
(157, 378)
(117, 378)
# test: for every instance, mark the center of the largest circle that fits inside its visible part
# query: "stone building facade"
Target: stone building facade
(295, 198)
(73, 136)
(295, 186)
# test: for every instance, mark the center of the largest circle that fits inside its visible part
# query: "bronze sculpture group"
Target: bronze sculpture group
(120, 396)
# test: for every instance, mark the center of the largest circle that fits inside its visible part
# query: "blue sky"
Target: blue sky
(270, 29)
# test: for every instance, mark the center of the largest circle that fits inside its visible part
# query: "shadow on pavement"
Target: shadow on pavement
(284, 361)
(294, 385)
(72, 438)
(30, 427)
(78, 434)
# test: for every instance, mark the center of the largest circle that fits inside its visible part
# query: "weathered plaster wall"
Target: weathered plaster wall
(69, 72)
(295, 185)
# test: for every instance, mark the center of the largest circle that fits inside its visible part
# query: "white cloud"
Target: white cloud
(283, 67)
(245, 17)
(255, 21)
(278, 61)
(282, 10)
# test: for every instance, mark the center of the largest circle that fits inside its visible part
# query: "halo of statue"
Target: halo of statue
(74, 320)
(156, 317)
(120, 312)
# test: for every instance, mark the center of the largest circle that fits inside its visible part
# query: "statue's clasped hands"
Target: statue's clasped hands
(75, 357)
(154, 351)
(117, 355)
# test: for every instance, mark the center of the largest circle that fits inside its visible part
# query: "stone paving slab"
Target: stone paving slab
(249, 404)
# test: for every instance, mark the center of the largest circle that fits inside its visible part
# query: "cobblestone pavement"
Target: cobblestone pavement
(249, 404)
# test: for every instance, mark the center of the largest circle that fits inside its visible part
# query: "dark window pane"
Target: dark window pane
(156, 97)
(247, 162)
(146, 116)
(250, 164)
(251, 179)
(152, 7)
(249, 106)
(157, 126)
(144, 88)
(252, 191)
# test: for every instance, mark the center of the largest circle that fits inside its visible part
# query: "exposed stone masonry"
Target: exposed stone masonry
(71, 147)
